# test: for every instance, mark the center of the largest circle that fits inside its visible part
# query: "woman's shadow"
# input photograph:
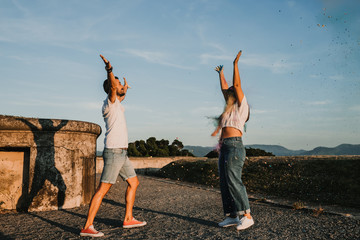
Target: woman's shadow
(44, 163)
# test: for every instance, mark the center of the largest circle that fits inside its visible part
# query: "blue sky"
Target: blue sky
(299, 67)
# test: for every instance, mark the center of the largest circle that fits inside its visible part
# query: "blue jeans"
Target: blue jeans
(233, 192)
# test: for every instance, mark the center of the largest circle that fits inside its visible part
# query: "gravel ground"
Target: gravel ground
(177, 211)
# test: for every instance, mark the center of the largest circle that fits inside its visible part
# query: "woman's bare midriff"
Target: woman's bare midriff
(228, 132)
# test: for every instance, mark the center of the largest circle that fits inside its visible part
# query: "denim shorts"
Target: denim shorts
(116, 162)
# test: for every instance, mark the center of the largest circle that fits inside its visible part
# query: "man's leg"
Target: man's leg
(96, 202)
(133, 183)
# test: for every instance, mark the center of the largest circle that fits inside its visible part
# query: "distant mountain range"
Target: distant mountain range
(343, 149)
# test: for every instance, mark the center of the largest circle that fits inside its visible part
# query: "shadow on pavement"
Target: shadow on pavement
(189, 219)
(56, 224)
(4, 237)
(106, 221)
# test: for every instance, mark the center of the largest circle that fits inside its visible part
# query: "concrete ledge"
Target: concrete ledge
(148, 162)
(21, 123)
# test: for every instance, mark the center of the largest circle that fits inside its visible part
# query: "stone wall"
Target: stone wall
(147, 162)
(46, 164)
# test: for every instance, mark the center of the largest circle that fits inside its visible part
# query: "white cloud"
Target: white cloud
(217, 46)
(22, 9)
(276, 64)
(355, 108)
(318, 103)
(206, 58)
(207, 111)
(55, 103)
(313, 76)
(138, 108)
(54, 30)
(336, 77)
(258, 111)
(89, 105)
(35, 102)
(291, 3)
(155, 57)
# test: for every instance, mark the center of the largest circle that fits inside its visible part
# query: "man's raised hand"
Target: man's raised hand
(107, 63)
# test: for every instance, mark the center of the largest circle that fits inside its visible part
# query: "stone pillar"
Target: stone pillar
(46, 164)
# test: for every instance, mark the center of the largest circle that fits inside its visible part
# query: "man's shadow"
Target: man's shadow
(44, 163)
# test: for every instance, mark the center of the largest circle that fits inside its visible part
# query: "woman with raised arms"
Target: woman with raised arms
(232, 151)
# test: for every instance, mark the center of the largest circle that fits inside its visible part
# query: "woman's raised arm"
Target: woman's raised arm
(223, 84)
(236, 80)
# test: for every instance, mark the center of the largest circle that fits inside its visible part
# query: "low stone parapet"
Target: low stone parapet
(46, 164)
(148, 162)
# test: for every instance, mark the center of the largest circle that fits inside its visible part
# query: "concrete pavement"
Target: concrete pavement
(177, 211)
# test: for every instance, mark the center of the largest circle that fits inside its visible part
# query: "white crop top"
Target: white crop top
(116, 135)
(237, 117)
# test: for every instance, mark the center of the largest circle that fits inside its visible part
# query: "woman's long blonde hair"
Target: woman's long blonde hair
(230, 104)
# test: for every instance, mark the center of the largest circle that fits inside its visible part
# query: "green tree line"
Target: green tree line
(157, 148)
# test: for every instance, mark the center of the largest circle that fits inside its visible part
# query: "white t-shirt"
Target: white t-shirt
(237, 117)
(116, 135)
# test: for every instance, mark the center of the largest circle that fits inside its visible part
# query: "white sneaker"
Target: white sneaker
(229, 221)
(245, 222)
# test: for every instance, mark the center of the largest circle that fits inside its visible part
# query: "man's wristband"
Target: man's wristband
(109, 70)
